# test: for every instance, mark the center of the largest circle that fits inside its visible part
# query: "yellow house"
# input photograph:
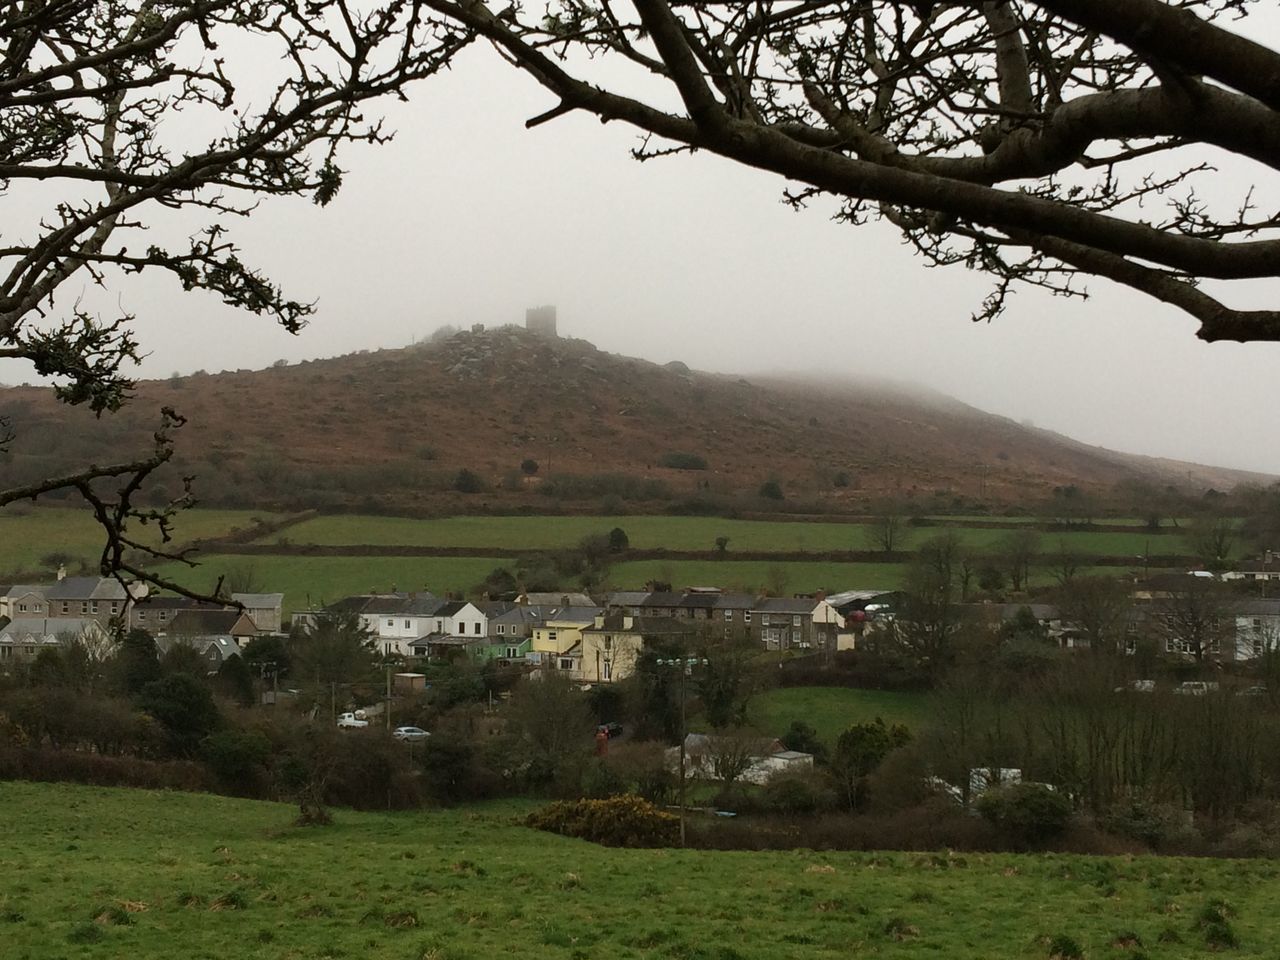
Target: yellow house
(560, 633)
(613, 644)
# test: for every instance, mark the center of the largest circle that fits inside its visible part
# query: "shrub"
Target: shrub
(1028, 813)
(615, 822)
(618, 540)
(529, 467)
(771, 490)
(467, 482)
(1062, 947)
(683, 461)
(797, 794)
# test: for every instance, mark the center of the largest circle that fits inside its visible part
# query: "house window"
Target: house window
(795, 620)
(115, 606)
(728, 614)
(566, 663)
(513, 652)
(66, 608)
(408, 625)
(608, 670)
(551, 636)
(502, 629)
(93, 607)
(439, 626)
(608, 643)
(746, 616)
(142, 614)
(22, 607)
(477, 630)
(84, 606)
(391, 623)
(795, 637)
(163, 616)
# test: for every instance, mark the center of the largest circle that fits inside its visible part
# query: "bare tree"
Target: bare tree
(885, 532)
(112, 113)
(1212, 539)
(1020, 549)
(1097, 609)
(1193, 619)
(1042, 141)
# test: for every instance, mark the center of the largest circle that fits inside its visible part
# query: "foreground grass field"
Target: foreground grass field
(92, 872)
(832, 710)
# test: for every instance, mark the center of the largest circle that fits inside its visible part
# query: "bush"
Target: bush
(683, 461)
(529, 467)
(1062, 947)
(1159, 826)
(467, 482)
(798, 794)
(771, 490)
(618, 540)
(615, 822)
(1028, 813)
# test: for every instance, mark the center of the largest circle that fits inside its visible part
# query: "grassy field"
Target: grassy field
(92, 872)
(27, 535)
(832, 710)
(681, 533)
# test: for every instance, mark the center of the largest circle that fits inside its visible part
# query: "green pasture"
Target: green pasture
(751, 576)
(686, 533)
(104, 873)
(307, 581)
(832, 710)
(28, 534)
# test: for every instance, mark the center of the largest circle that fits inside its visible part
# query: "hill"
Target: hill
(146, 874)
(392, 429)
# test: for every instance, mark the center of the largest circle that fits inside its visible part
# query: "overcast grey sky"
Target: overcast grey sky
(467, 217)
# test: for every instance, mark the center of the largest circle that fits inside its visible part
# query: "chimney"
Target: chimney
(820, 595)
(628, 621)
(564, 600)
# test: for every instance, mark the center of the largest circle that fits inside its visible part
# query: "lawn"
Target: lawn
(832, 710)
(103, 873)
(684, 533)
(28, 534)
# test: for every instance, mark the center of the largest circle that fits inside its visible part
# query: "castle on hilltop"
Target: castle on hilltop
(541, 320)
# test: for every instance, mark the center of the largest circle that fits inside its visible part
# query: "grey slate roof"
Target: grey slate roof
(785, 605)
(17, 631)
(574, 614)
(86, 588)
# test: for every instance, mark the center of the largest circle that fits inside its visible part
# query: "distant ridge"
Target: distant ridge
(391, 430)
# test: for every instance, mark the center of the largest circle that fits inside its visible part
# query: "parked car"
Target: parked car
(352, 720)
(1194, 688)
(1138, 686)
(1257, 691)
(613, 729)
(410, 734)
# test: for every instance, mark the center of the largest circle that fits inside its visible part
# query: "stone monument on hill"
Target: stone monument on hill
(541, 320)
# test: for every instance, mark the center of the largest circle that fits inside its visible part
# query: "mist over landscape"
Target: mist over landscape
(639, 479)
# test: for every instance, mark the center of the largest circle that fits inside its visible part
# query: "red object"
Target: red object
(602, 743)
(858, 616)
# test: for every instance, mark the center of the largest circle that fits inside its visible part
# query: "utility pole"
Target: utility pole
(685, 666)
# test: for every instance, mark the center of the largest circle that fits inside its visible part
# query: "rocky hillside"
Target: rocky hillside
(392, 429)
